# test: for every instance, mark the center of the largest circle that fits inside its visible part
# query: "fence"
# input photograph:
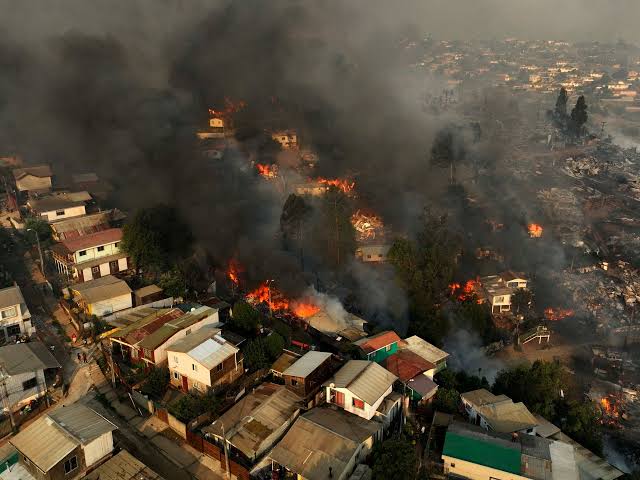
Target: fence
(177, 426)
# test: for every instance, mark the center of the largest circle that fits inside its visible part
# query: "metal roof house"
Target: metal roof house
(427, 351)
(498, 413)
(123, 466)
(324, 443)
(378, 347)
(305, 376)
(102, 296)
(64, 443)
(14, 313)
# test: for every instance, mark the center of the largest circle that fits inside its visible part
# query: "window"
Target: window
(9, 312)
(116, 245)
(176, 375)
(13, 330)
(29, 383)
(101, 248)
(59, 213)
(70, 465)
(294, 382)
(388, 348)
(219, 367)
(82, 253)
(187, 332)
(357, 403)
(194, 367)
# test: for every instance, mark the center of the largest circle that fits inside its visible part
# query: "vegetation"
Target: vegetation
(262, 351)
(157, 238)
(193, 405)
(245, 319)
(38, 225)
(394, 459)
(447, 151)
(156, 383)
(335, 237)
(173, 283)
(446, 400)
(579, 116)
(561, 105)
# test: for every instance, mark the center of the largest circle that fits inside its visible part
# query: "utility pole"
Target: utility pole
(226, 452)
(39, 251)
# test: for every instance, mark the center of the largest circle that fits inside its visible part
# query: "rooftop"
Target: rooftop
(103, 288)
(306, 365)
(123, 466)
(406, 364)
(284, 361)
(376, 342)
(74, 227)
(367, 380)
(424, 349)
(53, 202)
(148, 290)
(206, 346)
(148, 325)
(10, 297)
(96, 239)
(169, 329)
(26, 357)
(482, 396)
(36, 171)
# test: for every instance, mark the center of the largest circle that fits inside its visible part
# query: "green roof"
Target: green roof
(482, 453)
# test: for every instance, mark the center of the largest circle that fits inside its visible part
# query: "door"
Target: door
(340, 399)
(185, 384)
(95, 272)
(113, 267)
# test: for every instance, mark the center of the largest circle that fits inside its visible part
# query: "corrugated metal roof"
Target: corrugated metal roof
(507, 417)
(252, 420)
(482, 396)
(376, 342)
(103, 288)
(123, 466)
(284, 361)
(322, 439)
(169, 329)
(194, 339)
(50, 438)
(423, 348)
(10, 297)
(93, 240)
(212, 352)
(36, 171)
(26, 357)
(307, 364)
(367, 380)
(406, 364)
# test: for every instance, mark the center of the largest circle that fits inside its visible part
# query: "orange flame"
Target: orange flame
(305, 310)
(278, 302)
(466, 291)
(344, 185)
(367, 226)
(230, 107)
(267, 171)
(535, 230)
(609, 408)
(233, 272)
(555, 314)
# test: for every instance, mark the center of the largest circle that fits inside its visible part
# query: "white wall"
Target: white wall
(19, 397)
(51, 216)
(184, 367)
(474, 471)
(111, 305)
(93, 252)
(160, 353)
(105, 269)
(122, 264)
(369, 410)
(98, 449)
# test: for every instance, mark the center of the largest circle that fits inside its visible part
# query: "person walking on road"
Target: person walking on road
(84, 357)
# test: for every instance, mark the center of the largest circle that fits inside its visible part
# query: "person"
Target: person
(79, 357)
(84, 357)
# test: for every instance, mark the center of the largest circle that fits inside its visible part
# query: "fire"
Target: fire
(233, 272)
(535, 230)
(555, 314)
(278, 302)
(344, 185)
(466, 291)
(305, 310)
(366, 226)
(610, 411)
(267, 171)
(230, 107)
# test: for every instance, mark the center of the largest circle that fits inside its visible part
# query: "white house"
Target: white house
(91, 256)
(102, 296)
(15, 318)
(33, 179)
(359, 387)
(498, 290)
(59, 206)
(23, 371)
(498, 413)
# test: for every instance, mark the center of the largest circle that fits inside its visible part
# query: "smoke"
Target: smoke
(467, 354)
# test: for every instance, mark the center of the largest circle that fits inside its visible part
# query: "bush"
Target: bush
(193, 405)
(156, 383)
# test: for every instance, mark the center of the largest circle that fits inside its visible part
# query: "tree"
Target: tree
(579, 115)
(446, 400)
(394, 459)
(478, 317)
(156, 383)
(245, 319)
(157, 238)
(261, 352)
(293, 221)
(193, 405)
(336, 237)
(561, 105)
(173, 283)
(582, 423)
(38, 225)
(447, 150)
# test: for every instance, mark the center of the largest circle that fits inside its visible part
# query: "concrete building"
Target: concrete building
(65, 443)
(24, 370)
(91, 256)
(324, 443)
(203, 361)
(15, 318)
(359, 387)
(102, 296)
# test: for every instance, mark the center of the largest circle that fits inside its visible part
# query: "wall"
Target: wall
(369, 410)
(177, 426)
(462, 468)
(93, 252)
(68, 213)
(160, 353)
(183, 366)
(111, 305)
(30, 182)
(380, 355)
(19, 397)
(98, 449)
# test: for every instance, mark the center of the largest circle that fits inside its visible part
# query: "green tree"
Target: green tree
(394, 459)
(38, 225)
(579, 115)
(245, 318)
(261, 352)
(157, 238)
(193, 405)
(561, 104)
(446, 400)
(581, 421)
(478, 317)
(173, 283)
(334, 233)
(156, 383)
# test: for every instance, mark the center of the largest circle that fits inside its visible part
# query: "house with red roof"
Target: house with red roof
(92, 256)
(415, 373)
(377, 348)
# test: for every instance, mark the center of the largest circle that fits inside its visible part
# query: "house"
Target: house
(64, 443)
(305, 376)
(415, 373)
(498, 290)
(59, 206)
(427, 351)
(359, 387)
(284, 361)
(91, 256)
(75, 227)
(15, 318)
(123, 466)
(146, 295)
(334, 323)
(33, 179)
(24, 369)
(203, 361)
(470, 452)
(102, 296)
(256, 422)
(324, 443)
(378, 347)
(373, 253)
(286, 138)
(498, 413)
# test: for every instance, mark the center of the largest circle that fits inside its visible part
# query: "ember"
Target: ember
(267, 171)
(366, 226)
(466, 291)
(344, 185)
(233, 271)
(555, 314)
(535, 230)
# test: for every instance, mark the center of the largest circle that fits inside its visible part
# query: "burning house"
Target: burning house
(497, 290)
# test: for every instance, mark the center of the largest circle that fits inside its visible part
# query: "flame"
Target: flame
(267, 171)
(366, 226)
(555, 314)
(230, 107)
(278, 302)
(345, 185)
(609, 407)
(535, 230)
(466, 291)
(304, 309)
(233, 271)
